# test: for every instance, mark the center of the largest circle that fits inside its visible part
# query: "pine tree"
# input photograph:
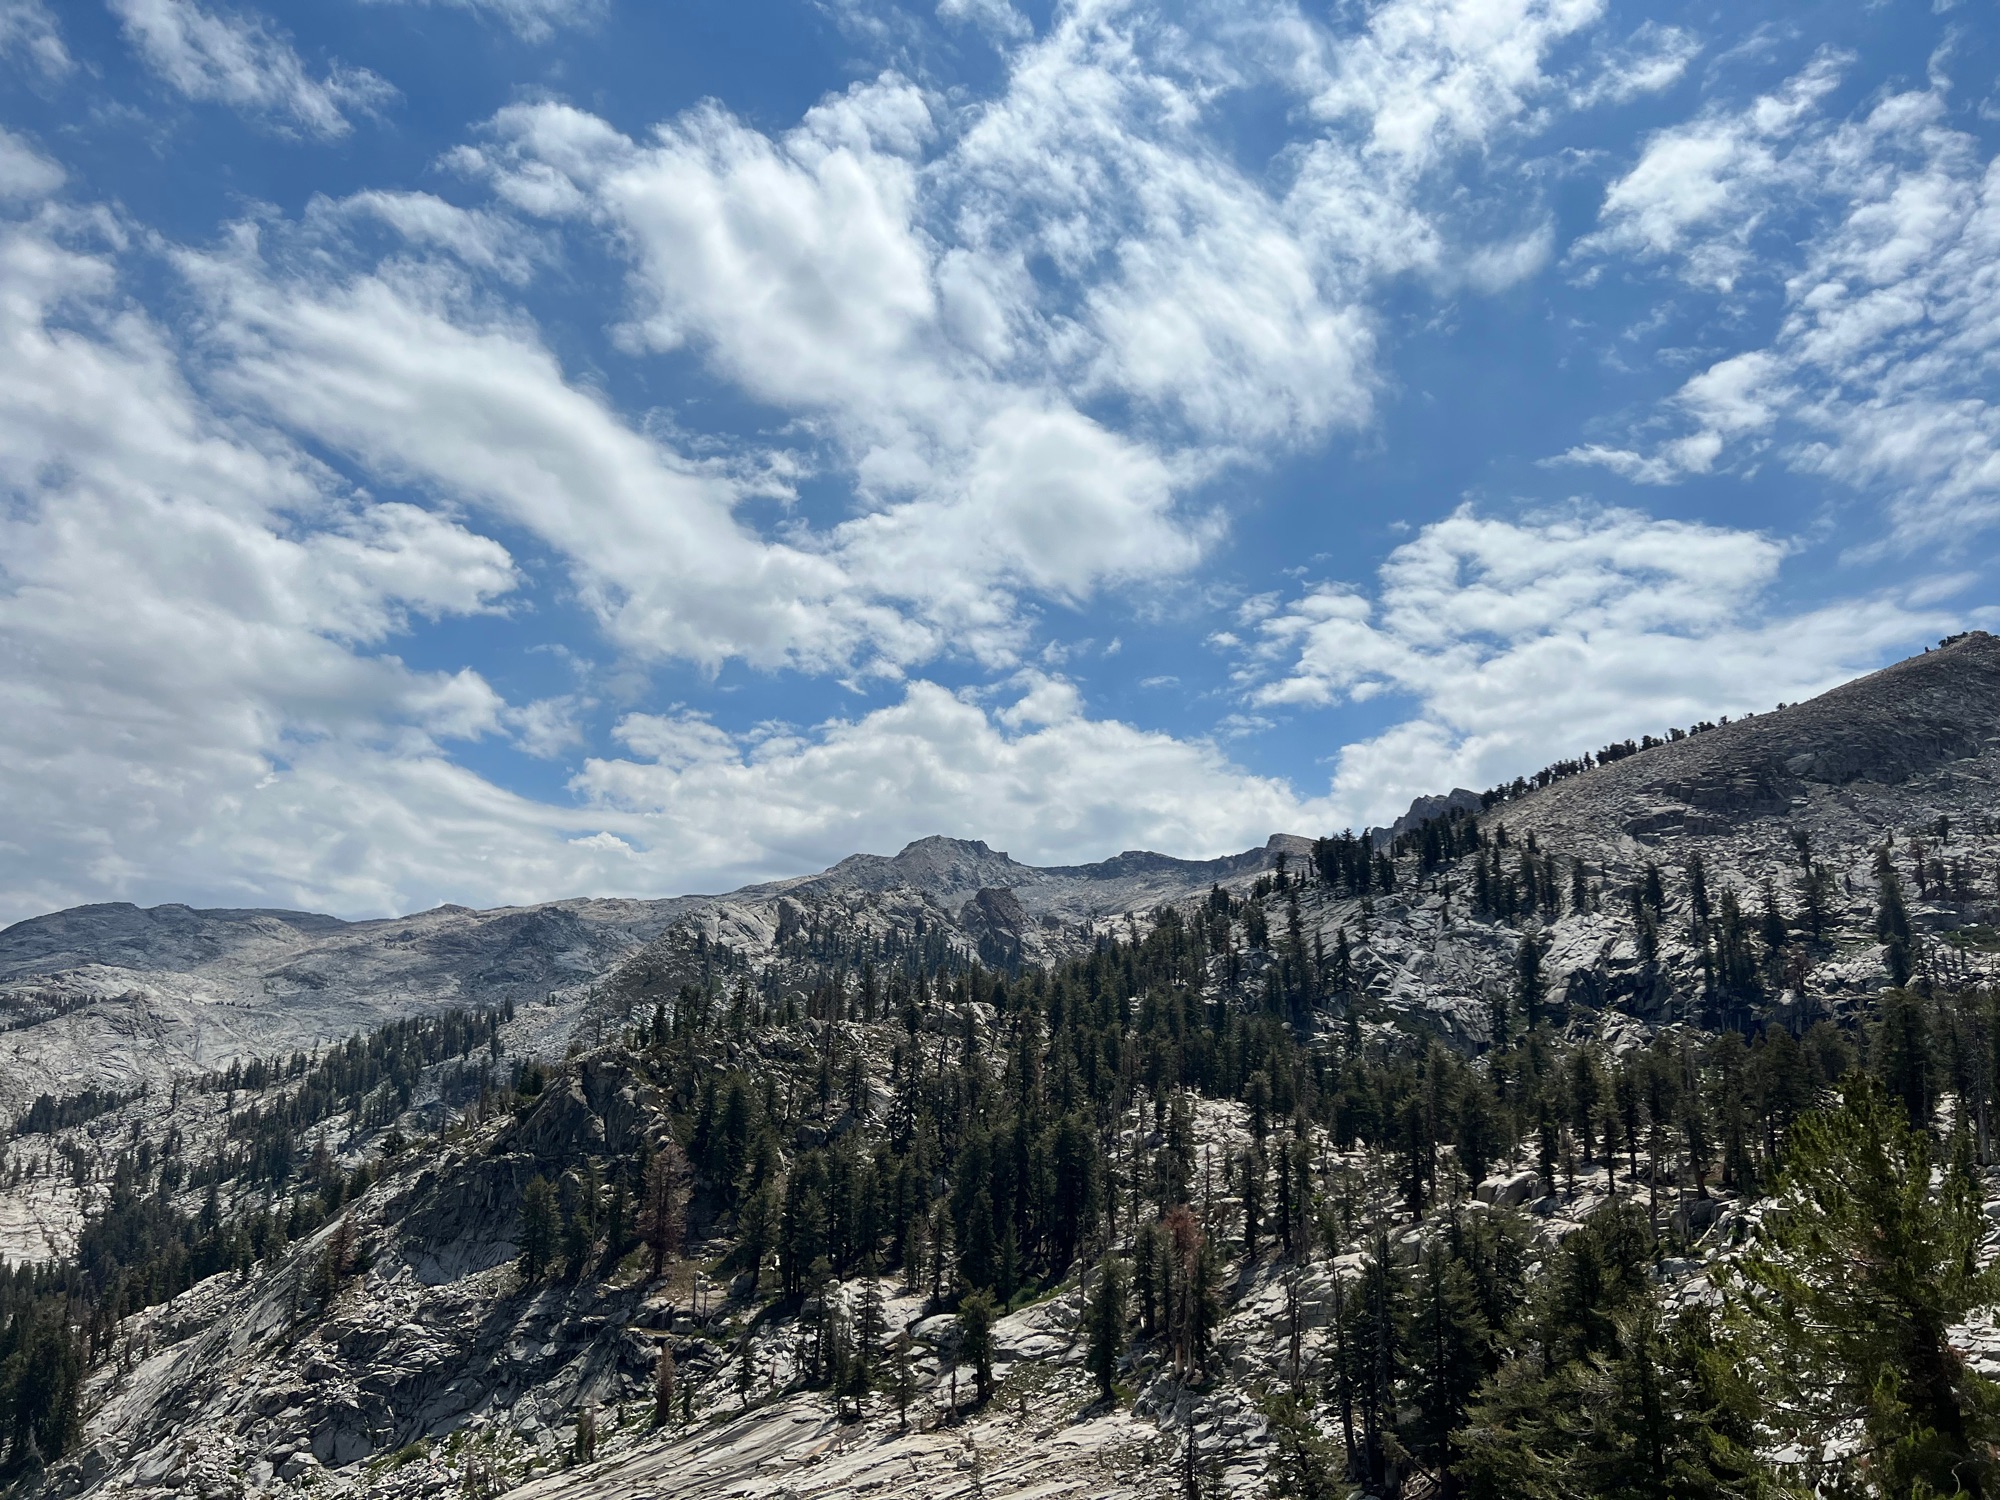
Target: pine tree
(756, 1235)
(1372, 1351)
(664, 1219)
(1842, 1309)
(1104, 1325)
(1902, 1053)
(976, 1312)
(664, 1376)
(902, 1379)
(1340, 976)
(1450, 1350)
(1530, 987)
(1606, 1399)
(1304, 1464)
(871, 1323)
(538, 1227)
(1892, 918)
(1250, 1167)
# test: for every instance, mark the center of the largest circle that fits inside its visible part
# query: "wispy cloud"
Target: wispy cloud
(532, 20)
(240, 60)
(28, 30)
(1880, 374)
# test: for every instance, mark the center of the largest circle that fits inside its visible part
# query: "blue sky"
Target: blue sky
(504, 449)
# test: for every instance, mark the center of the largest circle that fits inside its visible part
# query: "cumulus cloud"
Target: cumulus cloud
(1051, 784)
(949, 295)
(1880, 374)
(1701, 190)
(389, 367)
(477, 238)
(240, 60)
(1518, 642)
(189, 606)
(1652, 59)
(194, 706)
(796, 266)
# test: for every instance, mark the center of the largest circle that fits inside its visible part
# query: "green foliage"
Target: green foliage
(538, 1227)
(1842, 1308)
(1104, 1325)
(1305, 1465)
(1892, 918)
(41, 1386)
(1651, 1414)
(976, 1312)
(1604, 1395)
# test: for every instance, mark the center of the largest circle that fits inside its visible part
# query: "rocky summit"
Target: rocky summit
(1624, 1129)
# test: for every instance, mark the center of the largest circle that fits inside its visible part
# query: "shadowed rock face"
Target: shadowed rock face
(119, 933)
(997, 924)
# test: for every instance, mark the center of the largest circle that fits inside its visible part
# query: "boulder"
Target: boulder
(1508, 1190)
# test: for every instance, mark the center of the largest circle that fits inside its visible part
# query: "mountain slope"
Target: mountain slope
(115, 997)
(911, 1076)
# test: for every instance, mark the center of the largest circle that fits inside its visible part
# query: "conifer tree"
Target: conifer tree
(1450, 1347)
(1530, 988)
(1250, 1167)
(1104, 1324)
(1902, 1053)
(664, 1377)
(664, 1218)
(538, 1227)
(976, 1312)
(1842, 1309)
(902, 1379)
(1371, 1349)
(1892, 918)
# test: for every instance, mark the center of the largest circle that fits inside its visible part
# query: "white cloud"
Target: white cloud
(1430, 78)
(1027, 329)
(1066, 789)
(1521, 642)
(1881, 371)
(1700, 191)
(796, 267)
(531, 20)
(24, 171)
(239, 60)
(1653, 59)
(547, 727)
(197, 704)
(397, 369)
(188, 607)
(997, 18)
(946, 296)
(477, 238)
(28, 28)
